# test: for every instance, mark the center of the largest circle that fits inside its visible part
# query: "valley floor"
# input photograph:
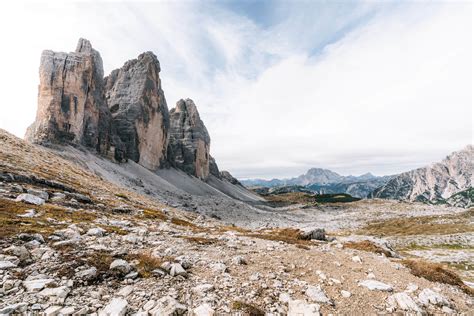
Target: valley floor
(95, 246)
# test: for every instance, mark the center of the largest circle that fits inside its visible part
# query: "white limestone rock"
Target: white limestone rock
(375, 285)
(116, 307)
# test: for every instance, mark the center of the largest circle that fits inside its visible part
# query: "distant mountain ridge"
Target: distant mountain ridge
(326, 181)
(434, 183)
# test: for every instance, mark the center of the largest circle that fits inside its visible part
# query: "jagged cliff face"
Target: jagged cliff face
(189, 142)
(70, 99)
(433, 183)
(139, 112)
(123, 116)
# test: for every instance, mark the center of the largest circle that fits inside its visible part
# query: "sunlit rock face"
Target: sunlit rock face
(140, 118)
(123, 116)
(71, 107)
(189, 142)
(436, 182)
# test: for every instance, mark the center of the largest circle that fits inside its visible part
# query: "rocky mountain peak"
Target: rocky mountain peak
(189, 140)
(70, 99)
(139, 111)
(436, 182)
(123, 116)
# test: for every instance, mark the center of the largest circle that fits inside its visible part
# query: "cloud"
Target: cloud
(357, 87)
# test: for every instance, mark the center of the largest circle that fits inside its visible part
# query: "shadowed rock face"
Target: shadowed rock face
(189, 142)
(139, 112)
(71, 107)
(123, 116)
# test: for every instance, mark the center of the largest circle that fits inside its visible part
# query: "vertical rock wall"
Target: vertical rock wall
(189, 142)
(123, 116)
(71, 107)
(139, 112)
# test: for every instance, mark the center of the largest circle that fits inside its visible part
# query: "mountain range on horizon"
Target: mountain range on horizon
(435, 183)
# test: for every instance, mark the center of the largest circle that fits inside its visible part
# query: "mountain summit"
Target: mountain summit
(123, 116)
(433, 183)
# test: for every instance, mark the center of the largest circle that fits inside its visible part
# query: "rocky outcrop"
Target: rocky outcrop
(434, 183)
(71, 106)
(213, 168)
(123, 116)
(139, 112)
(227, 176)
(189, 140)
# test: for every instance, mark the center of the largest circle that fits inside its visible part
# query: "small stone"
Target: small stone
(4, 265)
(87, 274)
(18, 251)
(219, 267)
(255, 276)
(345, 294)
(96, 231)
(315, 234)
(149, 305)
(404, 302)
(177, 269)
(203, 310)
(125, 291)
(284, 297)
(14, 308)
(28, 214)
(30, 237)
(67, 310)
(411, 287)
(36, 285)
(41, 194)
(116, 307)
(120, 266)
(316, 294)
(357, 259)
(168, 306)
(302, 308)
(58, 196)
(202, 289)
(428, 296)
(57, 292)
(239, 260)
(374, 285)
(30, 199)
(8, 285)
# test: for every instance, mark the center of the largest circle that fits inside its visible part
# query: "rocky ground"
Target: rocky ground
(73, 243)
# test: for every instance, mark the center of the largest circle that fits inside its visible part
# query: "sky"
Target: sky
(282, 86)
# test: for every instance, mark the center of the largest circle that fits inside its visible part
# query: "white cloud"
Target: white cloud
(390, 92)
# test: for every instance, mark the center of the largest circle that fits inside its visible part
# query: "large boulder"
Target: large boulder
(140, 118)
(71, 107)
(189, 143)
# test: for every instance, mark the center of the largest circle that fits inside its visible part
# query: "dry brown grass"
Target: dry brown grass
(182, 222)
(231, 228)
(367, 245)
(101, 260)
(431, 225)
(200, 240)
(247, 309)
(12, 225)
(147, 262)
(185, 223)
(436, 273)
(154, 215)
(288, 235)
